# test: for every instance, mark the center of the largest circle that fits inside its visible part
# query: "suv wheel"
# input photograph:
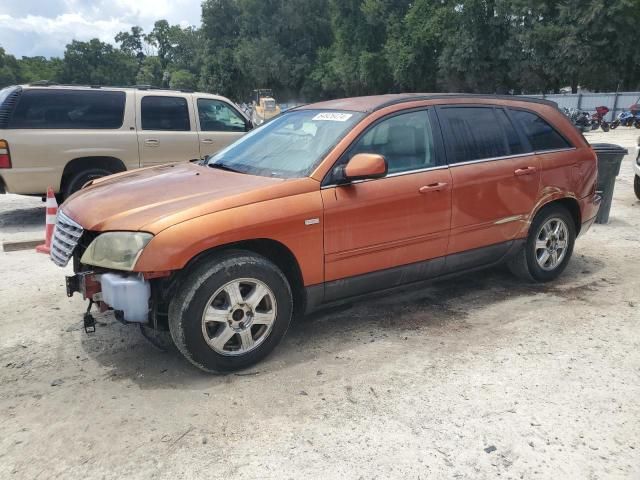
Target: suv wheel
(77, 180)
(548, 247)
(636, 186)
(231, 311)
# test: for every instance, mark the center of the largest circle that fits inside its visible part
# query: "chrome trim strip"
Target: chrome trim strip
(453, 165)
(513, 218)
(397, 174)
(542, 152)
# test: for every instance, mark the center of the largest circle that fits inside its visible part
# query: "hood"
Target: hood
(152, 199)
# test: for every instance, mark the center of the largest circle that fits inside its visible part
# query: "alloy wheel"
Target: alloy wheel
(239, 316)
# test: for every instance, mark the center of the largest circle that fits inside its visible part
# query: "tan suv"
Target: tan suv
(64, 136)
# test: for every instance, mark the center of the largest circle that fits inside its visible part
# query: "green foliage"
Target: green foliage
(183, 80)
(314, 49)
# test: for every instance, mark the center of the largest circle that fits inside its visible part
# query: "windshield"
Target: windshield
(290, 145)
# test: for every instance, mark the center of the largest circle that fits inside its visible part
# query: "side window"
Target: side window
(472, 133)
(69, 109)
(513, 139)
(164, 113)
(405, 141)
(217, 116)
(541, 135)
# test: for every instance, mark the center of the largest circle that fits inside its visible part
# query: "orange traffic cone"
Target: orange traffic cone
(52, 210)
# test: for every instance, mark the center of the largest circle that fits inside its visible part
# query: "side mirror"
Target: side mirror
(363, 166)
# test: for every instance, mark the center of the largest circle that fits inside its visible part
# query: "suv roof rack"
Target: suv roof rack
(412, 98)
(49, 83)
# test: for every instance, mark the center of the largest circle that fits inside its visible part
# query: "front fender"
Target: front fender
(284, 220)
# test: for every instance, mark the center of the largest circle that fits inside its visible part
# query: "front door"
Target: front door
(495, 182)
(219, 125)
(381, 232)
(166, 129)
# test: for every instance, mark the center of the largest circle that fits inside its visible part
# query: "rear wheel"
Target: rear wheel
(79, 179)
(231, 311)
(548, 247)
(636, 186)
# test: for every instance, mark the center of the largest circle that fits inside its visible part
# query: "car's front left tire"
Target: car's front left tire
(231, 311)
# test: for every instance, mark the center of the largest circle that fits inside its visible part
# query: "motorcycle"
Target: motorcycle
(598, 121)
(627, 119)
(581, 119)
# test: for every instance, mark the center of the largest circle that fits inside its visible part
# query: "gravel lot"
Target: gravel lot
(478, 377)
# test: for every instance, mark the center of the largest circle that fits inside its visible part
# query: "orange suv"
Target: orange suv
(327, 202)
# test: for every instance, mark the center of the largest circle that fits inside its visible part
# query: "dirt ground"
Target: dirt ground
(479, 377)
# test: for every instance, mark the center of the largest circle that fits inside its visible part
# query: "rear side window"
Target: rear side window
(472, 133)
(164, 113)
(72, 109)
(541, 135)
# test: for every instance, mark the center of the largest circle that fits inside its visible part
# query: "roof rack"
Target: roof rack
(49, 83)
(412, 98)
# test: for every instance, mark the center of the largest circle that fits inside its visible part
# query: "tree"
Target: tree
(183, 80)
(95, 62)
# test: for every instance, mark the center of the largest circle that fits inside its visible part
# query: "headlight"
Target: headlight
(117, 250)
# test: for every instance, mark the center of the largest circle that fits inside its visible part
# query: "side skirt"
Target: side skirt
(334, 293)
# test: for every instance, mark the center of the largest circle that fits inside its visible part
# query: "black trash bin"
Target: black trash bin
(609, 159)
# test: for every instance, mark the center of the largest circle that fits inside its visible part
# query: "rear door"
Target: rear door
(219, 124)
(496, 180)
(166, 128)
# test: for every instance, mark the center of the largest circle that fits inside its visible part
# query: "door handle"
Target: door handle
(525, 171)
(206, 140)
(152, 142)
(433, 187)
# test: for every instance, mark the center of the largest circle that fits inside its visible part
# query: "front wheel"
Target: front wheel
(548, 247)
(605, 126)
(636, 186)
(79, 179)
(231, 311)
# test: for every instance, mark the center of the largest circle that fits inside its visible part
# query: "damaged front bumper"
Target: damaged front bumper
(127, 294)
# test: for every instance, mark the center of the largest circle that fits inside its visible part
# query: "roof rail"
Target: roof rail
(412, 98)
(43, 83)
(49, 83)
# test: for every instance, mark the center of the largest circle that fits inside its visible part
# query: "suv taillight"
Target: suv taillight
(5, 156)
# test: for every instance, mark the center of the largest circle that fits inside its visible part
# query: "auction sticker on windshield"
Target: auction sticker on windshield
(333, 116)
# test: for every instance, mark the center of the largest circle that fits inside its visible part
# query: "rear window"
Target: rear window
(473, 133)
(72, 109)
(541, 135)
(165, 113)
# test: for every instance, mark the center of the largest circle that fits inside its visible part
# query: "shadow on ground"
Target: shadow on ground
(434, 309)
(23, 217)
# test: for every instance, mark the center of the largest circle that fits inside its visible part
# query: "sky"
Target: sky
(44, 27)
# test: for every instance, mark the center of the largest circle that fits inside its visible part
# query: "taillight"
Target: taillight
(5, 156)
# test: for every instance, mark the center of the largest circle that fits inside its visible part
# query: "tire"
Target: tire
(636, 186)
(526, 264)
(636, 124)
(78, 180)
(216, 345)
(605, 126)
(615, 124)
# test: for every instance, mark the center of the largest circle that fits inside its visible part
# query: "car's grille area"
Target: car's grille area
(65, 238)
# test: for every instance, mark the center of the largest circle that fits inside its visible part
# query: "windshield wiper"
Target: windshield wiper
(222, 166)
